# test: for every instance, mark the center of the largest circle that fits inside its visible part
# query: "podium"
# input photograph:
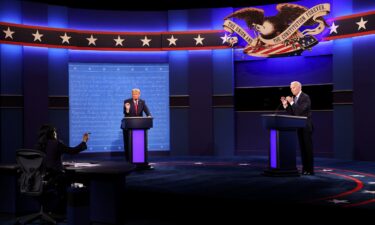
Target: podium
(283, 143)
(135, 139)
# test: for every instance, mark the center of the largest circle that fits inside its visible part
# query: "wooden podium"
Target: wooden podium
(283, 143)
(135, 139)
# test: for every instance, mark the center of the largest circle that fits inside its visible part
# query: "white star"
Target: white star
(368, 192)
(119, 40)
(327, 170)
(333, 28)
(8, 33)
(337, 201)
(244, 164)
(37, 36)
(172, 41)
(225, 38)
(371, 182)
(65, 38)
(199, 40)
(91, 40)
(146, 41)
(362, 24)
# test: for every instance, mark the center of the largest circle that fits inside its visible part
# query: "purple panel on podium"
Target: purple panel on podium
(273, 150)
(138, 146)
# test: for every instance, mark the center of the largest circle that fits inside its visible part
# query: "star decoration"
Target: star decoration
(37, 36)
(371, 182)
(146, 41)
(333, 28)
(8, 33)
(199, 40)
(225, 38)
(337, 201)
(172, 41)
(362, 24)
(65, 38)
(368, 192)
(119, 40)
(92, 40)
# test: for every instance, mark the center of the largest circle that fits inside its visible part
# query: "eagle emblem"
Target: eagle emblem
(289, 32)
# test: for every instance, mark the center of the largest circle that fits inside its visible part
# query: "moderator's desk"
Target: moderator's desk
(8, 188)
(106, 181)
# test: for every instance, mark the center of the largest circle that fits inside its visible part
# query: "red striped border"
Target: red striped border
(159, 33)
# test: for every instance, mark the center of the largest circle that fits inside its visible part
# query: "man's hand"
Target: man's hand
(85, 137)
(289, 99)
(127, 107)
(283, 100)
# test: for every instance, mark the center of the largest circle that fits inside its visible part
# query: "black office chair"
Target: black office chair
(32, 183)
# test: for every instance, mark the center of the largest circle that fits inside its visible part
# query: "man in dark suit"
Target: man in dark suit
(300, 105)
(133, 107)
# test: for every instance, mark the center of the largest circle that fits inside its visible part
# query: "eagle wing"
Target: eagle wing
(289, 12)
(250, 15)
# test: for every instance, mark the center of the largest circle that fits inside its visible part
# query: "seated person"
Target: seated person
(54, 149)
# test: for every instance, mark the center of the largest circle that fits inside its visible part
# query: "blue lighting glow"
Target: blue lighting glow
(177, 20)
(11, 69)
(57, 16)
(10, 11)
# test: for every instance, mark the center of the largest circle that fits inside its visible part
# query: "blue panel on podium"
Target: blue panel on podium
(271, 121)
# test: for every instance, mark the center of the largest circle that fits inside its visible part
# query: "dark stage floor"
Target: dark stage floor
(234, 191)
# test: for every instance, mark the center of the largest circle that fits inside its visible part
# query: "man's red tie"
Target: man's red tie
(136, 107)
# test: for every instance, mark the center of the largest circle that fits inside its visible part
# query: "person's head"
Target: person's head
(46, 132)
(136, 93)
(295, 87)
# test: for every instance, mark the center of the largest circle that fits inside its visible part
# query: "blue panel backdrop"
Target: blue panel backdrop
(96, 95)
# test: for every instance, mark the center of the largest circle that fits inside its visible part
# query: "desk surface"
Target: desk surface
(99, 168)
(8, 168)
(89, 168)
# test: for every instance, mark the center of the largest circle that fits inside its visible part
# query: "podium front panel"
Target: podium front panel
(138, 144)
(273, 148)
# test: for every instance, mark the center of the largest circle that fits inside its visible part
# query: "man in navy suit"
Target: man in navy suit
(133, 107)
(300, 105)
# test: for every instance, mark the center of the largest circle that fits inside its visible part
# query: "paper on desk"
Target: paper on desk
(85, 164)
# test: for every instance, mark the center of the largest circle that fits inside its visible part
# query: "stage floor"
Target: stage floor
(191, 190)
(234, 189)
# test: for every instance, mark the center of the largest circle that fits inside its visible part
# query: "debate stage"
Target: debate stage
(189, 190)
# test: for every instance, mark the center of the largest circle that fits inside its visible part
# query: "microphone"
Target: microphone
(277, 109)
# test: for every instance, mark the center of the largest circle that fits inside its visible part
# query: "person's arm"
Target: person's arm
(77, 149)
(303, 106)
(145, 108)
(126, 108)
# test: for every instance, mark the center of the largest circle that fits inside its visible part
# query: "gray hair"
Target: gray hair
(297, 83)
(136, 90)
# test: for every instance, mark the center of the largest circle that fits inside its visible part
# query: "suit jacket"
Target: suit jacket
(142, 108)
(302, 108)
(54, 151)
